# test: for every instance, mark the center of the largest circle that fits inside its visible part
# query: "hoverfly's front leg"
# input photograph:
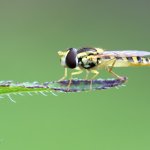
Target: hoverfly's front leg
(109, 69)
(65, 75)
(73, 74)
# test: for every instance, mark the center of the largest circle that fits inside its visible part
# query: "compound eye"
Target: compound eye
(71, 58)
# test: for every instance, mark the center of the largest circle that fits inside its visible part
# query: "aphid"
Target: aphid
(92, 59)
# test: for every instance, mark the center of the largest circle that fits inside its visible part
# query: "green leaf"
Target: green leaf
(77, 85)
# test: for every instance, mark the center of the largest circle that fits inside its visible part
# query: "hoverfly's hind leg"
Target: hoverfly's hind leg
(109, 69)
(96, 73)
(73, 74)
(65, 75)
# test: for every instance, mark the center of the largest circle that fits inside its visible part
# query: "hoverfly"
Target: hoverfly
(92, 59)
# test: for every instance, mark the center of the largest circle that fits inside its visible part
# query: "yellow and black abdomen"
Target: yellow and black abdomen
(132, 61)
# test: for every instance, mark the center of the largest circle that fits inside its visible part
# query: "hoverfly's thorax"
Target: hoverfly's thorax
(88, 62)
(89, 57)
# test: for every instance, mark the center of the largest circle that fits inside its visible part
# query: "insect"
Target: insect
(92, 59)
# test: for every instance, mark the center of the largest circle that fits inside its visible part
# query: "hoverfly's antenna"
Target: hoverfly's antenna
(61, 53)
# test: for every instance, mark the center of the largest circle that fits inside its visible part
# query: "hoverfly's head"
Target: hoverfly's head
(69, 58)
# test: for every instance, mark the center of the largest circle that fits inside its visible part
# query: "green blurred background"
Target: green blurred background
(31, 33)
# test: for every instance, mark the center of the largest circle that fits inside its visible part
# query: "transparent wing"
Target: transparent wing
(126, 53)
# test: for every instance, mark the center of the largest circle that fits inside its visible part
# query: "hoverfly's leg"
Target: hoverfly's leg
(96, 74)
(65, 75)
(87, 74)
(109, 69)
(73, 74)
(113, 73)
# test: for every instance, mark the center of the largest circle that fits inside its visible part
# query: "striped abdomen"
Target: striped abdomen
(125, 61)
(132, 61)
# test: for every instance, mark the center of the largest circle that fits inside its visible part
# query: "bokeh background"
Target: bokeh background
(31, 33)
